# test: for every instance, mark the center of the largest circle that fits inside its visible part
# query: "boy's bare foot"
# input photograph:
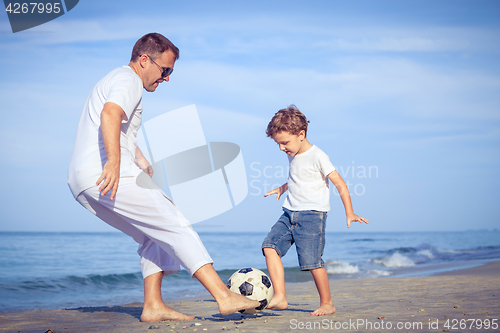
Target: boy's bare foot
(278, 303)
(324, 309)
(235, 302)
(159, 312)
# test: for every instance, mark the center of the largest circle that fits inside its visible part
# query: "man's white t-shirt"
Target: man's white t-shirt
(123, 87)
(307, 181)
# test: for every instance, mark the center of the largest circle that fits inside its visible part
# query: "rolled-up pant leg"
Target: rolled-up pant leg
(166, 238)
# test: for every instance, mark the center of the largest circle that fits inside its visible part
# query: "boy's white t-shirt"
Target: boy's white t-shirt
(307, 181)
(123, 87)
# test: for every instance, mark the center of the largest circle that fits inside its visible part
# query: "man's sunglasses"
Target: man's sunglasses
(164, 71)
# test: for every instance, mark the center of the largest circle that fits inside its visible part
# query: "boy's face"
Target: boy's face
(291, 144)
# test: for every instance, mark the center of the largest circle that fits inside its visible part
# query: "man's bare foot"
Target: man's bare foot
(324, 309)
(235, 302)
(278, 303)
(159, 312)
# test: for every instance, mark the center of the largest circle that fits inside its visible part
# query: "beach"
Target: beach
(456, 301)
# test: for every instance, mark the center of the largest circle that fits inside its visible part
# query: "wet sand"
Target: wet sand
(456, 301)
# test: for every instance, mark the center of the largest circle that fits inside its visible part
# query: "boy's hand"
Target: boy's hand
(275, 191)
(279, 191)
(355, 218)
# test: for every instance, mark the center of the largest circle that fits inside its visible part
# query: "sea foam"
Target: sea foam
(394, 260)
(340, 267)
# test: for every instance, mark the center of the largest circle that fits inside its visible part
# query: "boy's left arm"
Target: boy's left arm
(339, 183)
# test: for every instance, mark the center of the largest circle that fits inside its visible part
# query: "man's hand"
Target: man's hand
(109, 179)
(149, 171)
(143, 163)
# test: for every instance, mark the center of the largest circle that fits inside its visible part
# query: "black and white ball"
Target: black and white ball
(254, 284)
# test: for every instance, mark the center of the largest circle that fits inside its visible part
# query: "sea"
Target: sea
(64, 270)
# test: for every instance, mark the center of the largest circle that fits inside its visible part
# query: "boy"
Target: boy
(305, 208)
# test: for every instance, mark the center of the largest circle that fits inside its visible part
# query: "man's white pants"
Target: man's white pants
(166, 238)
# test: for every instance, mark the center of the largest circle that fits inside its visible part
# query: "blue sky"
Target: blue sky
(404, 96)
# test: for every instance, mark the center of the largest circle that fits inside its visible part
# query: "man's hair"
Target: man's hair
(153, 44)
(287, 120)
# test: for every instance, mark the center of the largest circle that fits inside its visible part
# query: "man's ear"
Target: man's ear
(143, 59)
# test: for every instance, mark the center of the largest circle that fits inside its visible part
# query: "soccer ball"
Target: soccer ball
(254, 284)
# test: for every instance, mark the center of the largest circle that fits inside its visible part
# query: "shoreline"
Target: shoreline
(421, 303)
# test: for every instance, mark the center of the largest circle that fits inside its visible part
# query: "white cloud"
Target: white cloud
(267, 33)
(31, 147)
(408, 39)
(222, 124)
(384, 84)
(388, 93)
(447, 138)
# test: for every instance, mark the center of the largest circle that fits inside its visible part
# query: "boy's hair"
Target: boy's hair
(287, 120)
(153, 44)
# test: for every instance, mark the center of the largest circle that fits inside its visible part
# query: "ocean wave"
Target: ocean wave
(480, 252)
(426, 253)
(409, 256)
(394, 260)
(75, 283)
(378, 272)
(339, 267)
(453, 251)
(403, 250)
(98, 277)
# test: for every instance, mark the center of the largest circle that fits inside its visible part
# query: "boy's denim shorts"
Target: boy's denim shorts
(305, 228)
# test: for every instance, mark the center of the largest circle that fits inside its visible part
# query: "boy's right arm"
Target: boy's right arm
(279, 191)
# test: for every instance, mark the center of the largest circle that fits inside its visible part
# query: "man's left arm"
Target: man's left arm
(143, 163)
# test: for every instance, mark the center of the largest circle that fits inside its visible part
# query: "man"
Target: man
(102, 177)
